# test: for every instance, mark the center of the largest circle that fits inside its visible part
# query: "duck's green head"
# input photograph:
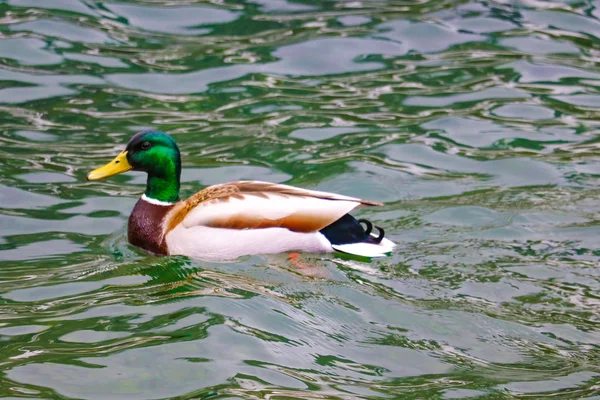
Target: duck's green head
(153, 152)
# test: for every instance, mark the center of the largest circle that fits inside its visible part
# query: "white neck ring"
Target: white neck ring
(155, 202)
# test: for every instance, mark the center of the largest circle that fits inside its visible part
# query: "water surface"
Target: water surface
(475, 122)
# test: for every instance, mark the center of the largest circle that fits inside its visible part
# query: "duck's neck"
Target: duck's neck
(146, 222)
(163, 186)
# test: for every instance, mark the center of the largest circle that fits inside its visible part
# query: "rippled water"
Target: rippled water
(476, 123)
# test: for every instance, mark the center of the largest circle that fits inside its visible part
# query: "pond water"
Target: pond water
(475, 122)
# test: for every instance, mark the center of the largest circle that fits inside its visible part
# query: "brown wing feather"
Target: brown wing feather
(298, 222)
(211, 193)
(258, 188)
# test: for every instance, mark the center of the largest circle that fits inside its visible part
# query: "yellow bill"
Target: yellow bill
(116, 166)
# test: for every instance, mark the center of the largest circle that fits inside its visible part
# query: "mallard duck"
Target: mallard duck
(238, 218)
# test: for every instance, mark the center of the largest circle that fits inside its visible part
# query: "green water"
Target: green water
(475, 122)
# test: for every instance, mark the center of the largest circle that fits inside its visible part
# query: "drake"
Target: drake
(238, 218)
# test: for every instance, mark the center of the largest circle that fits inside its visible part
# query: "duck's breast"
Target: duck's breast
(145, 228)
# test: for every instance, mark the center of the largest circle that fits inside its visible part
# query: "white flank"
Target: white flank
(370, 250)
(155, 202)
(226, 244)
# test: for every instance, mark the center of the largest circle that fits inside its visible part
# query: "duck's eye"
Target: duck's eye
(146, 145)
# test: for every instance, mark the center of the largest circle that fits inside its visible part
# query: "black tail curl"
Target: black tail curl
(348, 229)
(369, 229)
(368, 224)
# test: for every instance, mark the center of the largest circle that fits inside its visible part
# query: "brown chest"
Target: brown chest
(145, 229)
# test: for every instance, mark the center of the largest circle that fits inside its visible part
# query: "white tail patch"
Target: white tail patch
(370, 250)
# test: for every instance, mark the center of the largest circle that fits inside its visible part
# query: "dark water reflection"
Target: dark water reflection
(474, 121)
